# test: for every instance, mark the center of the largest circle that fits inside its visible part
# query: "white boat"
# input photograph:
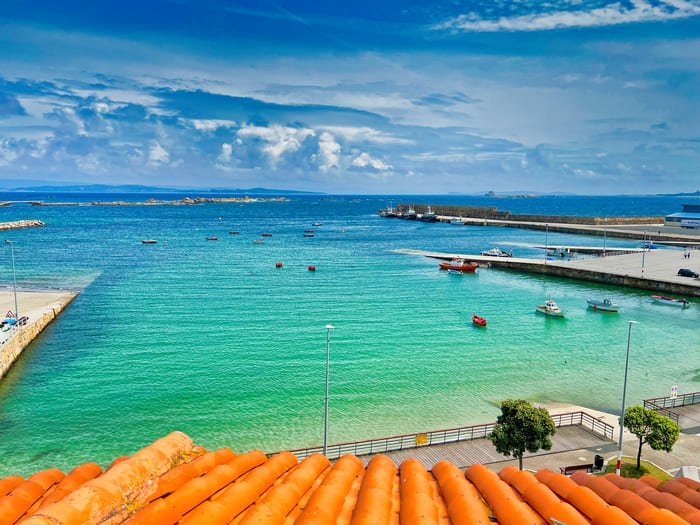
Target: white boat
(497, 252)
(550, 308)
(672, 301)
(606, 305)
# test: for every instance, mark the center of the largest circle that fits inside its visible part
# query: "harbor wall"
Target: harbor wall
(490, 212)
(12, 349)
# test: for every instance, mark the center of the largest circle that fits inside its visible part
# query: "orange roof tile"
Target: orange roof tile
(174, 482)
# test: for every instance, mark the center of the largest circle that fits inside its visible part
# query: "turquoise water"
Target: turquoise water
(211, 339)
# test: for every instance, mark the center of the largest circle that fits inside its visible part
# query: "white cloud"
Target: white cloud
(279, 139)
(612, 14)
(212, 124)
(157, 155)
(366, 134)
(328, 152)
(226, 152)
(365, 160)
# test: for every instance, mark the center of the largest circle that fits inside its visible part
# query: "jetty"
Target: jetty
(41, 308)
(591, 250)
(654, 270)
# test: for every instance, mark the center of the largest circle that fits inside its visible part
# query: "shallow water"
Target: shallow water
(211, 339)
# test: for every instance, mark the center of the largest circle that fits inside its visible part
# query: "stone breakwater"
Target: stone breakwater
(14, 225)
(12, 348)
(187, 201)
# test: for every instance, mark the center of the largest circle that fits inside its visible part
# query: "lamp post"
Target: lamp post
(624, 394)
(605, 231)
(14, 276)
(328, 369)
(546, 242)
(644, 249)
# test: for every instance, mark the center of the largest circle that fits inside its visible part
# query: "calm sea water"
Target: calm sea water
(211, 339)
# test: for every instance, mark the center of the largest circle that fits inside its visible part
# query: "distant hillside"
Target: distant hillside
(692, 194)
(137, 188)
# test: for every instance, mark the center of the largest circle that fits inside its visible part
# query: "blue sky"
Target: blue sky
(585, 96)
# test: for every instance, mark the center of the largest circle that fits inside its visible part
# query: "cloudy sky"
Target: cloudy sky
(585, 96)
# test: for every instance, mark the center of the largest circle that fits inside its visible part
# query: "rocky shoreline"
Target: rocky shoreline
(15, 225)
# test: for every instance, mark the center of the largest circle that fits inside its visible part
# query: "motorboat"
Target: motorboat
(309, 234)
(497, 252)
(459, 265)
(606, 305)
(258, 241)
(317, 224)
(212, 238)
(478, 321)
(550, 308)
(266, 235)
(149, 241)
(234, 233)
(308, 231)
(672, 301)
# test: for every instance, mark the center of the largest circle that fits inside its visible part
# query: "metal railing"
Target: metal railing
(663, 404)
(441, 437)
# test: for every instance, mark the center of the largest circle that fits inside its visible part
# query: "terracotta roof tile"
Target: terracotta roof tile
(173, 482)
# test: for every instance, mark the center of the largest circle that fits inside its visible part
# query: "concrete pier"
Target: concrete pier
(658, 272)
(41, 308)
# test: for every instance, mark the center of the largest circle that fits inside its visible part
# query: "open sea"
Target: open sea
(211, 339)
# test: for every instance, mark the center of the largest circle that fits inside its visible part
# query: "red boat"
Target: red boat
(478, 321)
(266, 235)
(460, 265)
(212, 238)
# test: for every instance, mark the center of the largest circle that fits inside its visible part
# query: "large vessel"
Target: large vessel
(606, 305)
(550, 308)
(459, 265)
(672, 301)
(409, 214)
(429, 216)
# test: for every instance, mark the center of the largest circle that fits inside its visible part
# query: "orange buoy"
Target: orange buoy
(312, 268)
(278, 264)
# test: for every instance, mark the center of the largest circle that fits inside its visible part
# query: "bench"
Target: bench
(588, 467)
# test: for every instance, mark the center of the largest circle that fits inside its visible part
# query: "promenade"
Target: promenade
(41, 307)
(654, 270)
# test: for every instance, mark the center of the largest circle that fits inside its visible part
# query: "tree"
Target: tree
(660, 432)
(522, 427)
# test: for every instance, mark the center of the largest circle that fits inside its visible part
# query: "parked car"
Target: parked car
(686, 272)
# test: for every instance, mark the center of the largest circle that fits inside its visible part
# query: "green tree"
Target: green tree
(522, 427)
(660, 432)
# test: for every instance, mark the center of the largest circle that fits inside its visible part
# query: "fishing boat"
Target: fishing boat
(550, 308)
(429, 216)
(149, 241)
(497, 252)
(459, 265)
(410, 214)
(606, 305)
(672, 301)
(478, 321)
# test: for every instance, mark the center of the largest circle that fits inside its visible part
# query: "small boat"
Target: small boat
(606, 305)
(497, 252)
(258, 241)
(149, 241)
(234, 233)
(212, 238)
(550, 308)
(308, 231)
(662, 299)
(317, 224)
(454, 272)
(460, 265)
(309, 235)
(265, 235)
(478, 321)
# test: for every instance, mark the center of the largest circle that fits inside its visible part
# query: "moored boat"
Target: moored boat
(478, 321)
(672, 301)
(497, 252)
(149, 241)
(212, 238)
(309, 234)
(258, 241)
(459, 265)
(266, 235)
(429, 216)
(550, 308)
(606, 305)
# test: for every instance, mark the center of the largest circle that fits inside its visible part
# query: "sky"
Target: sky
(389, 97)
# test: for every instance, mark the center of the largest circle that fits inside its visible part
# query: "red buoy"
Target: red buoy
(278, 264)
(312, 268)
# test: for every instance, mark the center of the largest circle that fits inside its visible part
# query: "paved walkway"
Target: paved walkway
(689, 419)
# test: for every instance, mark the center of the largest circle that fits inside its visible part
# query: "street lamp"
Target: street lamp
(546, 242)
(605, 231)
(14, 277)
(329, 327)
(644, 249)
(624, 393)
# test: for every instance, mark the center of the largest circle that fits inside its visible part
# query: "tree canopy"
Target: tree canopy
(660, 432)
(522, 428)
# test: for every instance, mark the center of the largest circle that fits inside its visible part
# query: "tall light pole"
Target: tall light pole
(605, 231)
(14, 277)
(546, 242)
(329, 327)
(624, 394)
(644, 249)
